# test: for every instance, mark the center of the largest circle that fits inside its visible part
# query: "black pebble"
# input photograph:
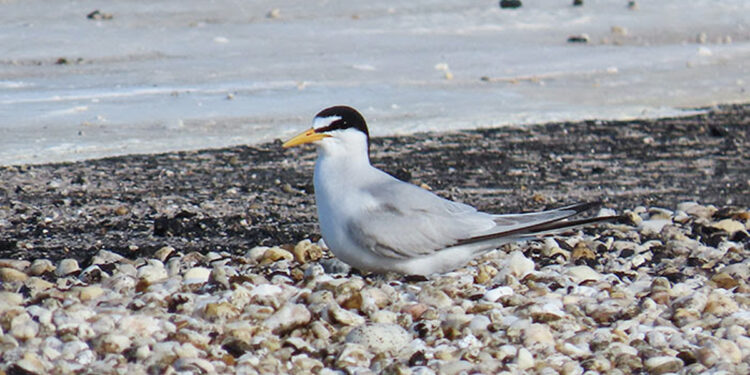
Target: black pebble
(510, 4)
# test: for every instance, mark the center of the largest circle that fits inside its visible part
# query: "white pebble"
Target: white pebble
(196, 275)
(495, 294)
(524, 359)
(380, 338)
(518, 265)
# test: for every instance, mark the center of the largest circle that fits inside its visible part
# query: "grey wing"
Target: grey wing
(408, 221)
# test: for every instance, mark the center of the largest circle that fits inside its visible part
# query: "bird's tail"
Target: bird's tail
(548, 222)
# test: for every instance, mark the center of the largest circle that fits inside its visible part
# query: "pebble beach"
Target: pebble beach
(210, 261)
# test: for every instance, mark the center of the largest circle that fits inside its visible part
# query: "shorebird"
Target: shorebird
(378, 223)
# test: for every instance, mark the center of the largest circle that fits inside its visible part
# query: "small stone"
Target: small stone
(88, 293)
(122, 211)
(577, 3)
(107, 257)
(456, 367)
(663, 364)
(510, 4)
(40, 267)
(538, 334)
(380, 338)
(725, 280)
(276, 254)
(730, 351)
(485, 273)
(618, 30)
(574, 351)
(92, 274)
(495, 294)
(335, 266)
(697, 210)
(288, 317)
(435, 297)
(728, 225)
(582, 38)
(518, 265)
(524, 359)
(23, 328)
(580, 274)
(194, 365)
(478, 325)
(37, 284)
(354, 355)
(274, 13)
(701, 38)
(67, 267)
(582, 252)
(220, 311)
(305, 251)
(113, 343)
(9, 299)
(12, 275)
(20, 265)
(97, 15)
(152, 272)
(29, 364)
(163, 253)
(256, 253)
(343, 316)
(196, 275)
(653, 226)
(415, 310)
(720, 303)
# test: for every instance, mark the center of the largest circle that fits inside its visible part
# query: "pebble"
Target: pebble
(581, 274)
(40, 267)
(663, 365)
(380, 338)
(651, 300)
(495, 294)
(88, 293)
(10, 299)
(196, 275)
(12, 275)
(67, 267)
(510, 4)
(290, 316)
(653, 226)
(518, 265)
(524, 359)
(20, 265)
(305, 251)
(728, 225)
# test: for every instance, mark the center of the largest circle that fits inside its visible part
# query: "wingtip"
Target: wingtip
(580, 207)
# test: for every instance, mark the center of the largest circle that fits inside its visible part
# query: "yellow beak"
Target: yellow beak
(308, 136)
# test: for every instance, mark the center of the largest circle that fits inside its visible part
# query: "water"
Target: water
(176, 75)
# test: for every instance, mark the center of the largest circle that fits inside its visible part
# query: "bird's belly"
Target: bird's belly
(333, 221)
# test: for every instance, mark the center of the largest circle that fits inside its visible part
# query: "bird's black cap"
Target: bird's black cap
(348, 117)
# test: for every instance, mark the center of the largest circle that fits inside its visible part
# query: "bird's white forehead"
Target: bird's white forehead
(321, 122)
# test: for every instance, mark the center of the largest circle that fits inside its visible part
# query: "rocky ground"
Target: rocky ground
(194, 262)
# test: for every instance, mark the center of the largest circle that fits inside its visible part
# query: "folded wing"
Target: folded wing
(416, 222)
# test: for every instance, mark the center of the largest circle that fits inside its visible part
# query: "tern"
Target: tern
(378, 223)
